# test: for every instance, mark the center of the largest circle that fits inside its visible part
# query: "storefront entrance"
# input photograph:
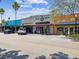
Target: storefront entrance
(43, 28)
(29, 29)
(39, 30)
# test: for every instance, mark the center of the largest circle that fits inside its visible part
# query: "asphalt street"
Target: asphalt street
(36, 45)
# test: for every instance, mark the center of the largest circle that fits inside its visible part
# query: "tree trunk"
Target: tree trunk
(15, 21)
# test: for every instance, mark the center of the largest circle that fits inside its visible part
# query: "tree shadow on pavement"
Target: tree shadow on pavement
(60, 55)
(2, 50)
(12, 54)
(41, 57)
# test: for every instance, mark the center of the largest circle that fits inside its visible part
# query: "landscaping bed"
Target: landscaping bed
(74, 37)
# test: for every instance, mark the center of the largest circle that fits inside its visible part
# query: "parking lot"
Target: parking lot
(36, 44)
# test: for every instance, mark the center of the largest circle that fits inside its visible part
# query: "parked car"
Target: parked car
(8, 31)
(22, 31)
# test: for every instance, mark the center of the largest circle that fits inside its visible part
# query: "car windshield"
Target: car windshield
(22, 28)
(7, 29)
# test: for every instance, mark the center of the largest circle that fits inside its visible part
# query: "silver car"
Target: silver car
(22, 31)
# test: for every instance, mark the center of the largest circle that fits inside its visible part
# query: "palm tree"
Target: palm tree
(15, 6)
(1, 12)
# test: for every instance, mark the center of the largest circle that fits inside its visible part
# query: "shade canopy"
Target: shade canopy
(13, 23)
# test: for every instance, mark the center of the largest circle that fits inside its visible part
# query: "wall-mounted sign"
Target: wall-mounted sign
(42, 18)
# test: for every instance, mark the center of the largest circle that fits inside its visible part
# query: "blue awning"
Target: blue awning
(13, 23)
(68, 23)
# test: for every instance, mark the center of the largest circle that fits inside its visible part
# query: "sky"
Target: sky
(27, 8)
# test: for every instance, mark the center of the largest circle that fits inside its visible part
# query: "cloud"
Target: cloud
(40, 10)
(34, 11)
(24, 5)
(37, 2)
(28, 3)
(19, 1)
(9, 10)
(32, 2)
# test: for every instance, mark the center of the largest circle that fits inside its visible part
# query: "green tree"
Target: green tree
(15, 6)
(1, 13)
(63, 7)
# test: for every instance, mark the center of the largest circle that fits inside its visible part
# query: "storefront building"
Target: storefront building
(43, 24)
(38, 24)
(67, 24)
(12, 24)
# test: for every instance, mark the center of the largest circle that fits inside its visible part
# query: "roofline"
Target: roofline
(35, 16)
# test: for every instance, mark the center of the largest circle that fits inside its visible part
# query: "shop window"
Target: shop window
(47, 17)
(60, 29)
(78, 30)
(71, 30)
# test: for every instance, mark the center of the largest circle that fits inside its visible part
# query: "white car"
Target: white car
(22, 31)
